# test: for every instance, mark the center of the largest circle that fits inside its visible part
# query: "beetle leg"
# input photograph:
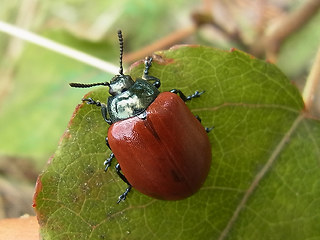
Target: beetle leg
(92, 102)
(208, 129)
(176, 91)
(184, 98)
(123, 196)
(107, 143)
(195, 95)
(156, 82)
(118, 170)
(187, 98)
(147, 65)
(108, 162)
(104, 113)
(146, 76)
(104, 110)
(198, 118)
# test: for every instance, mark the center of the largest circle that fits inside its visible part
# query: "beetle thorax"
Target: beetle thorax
(129, 101)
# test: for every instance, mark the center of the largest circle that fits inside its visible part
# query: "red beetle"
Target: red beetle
(162, 149)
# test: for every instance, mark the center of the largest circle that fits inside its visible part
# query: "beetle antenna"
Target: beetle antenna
(84, 85)
(121, 51)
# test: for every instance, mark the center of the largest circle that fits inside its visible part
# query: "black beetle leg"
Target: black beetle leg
(104, 113)
(146, 76)
(108, 161)
(205, 128)
(92, 102)
(195, 95)
(103, 107)
(147, 65)
(208, 129)
(123, 196)
(107, 143)
(187, 98)
(156, 81)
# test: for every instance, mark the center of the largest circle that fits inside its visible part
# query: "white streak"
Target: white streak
(56, 47)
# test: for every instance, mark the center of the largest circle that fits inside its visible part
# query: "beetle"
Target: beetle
(162, 149)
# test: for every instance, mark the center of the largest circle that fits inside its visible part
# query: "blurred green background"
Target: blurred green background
(37, 102)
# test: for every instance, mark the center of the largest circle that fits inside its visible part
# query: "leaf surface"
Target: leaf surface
(264, 179)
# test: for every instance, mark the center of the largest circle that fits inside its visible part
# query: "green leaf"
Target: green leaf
(264, 180)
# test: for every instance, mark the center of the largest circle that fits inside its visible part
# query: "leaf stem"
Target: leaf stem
(312, 83)
(292, 23)
(57, 47)
(163, 43)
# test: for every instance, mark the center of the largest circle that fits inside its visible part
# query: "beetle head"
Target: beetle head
(119, 84)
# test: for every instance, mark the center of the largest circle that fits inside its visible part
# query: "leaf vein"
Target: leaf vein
(259, 176)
